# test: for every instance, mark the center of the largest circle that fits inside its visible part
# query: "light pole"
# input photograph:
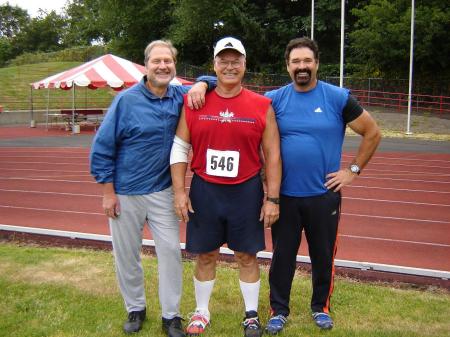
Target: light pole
(312, 19)
(411, 58)
(341, 66)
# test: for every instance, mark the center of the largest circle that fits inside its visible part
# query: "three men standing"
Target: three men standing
(130, 158)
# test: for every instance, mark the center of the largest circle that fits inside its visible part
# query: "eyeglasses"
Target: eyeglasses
(233, 64)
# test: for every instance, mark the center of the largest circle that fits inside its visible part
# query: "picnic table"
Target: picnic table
(77, 116)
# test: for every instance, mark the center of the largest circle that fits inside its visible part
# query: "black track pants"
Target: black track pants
(318, 216)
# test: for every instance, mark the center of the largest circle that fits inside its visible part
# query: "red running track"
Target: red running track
(397, 212)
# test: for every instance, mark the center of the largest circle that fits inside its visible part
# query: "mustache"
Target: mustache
(302, 71)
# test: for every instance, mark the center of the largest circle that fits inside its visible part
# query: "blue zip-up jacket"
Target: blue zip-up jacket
(132, 146)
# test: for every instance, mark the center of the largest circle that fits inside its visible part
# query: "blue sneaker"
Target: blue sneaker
(323, 320)
(276, 324)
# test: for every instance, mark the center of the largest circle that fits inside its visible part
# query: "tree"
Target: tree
(129, 25)
(82, 23)
(381, 39)
(6, 51)
(43, 33)
(259, 24)
(12, 20)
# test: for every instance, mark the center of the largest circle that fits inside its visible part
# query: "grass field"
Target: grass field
(15, 88)
(72, 292)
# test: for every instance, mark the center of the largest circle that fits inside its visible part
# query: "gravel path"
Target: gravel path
(420, 124)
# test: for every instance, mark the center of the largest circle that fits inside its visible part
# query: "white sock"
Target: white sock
(203, 290)
(250, 292)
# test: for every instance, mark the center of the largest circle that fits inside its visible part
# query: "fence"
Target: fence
(370, 92)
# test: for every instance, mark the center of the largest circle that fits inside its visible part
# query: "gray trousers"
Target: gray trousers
(157, 210)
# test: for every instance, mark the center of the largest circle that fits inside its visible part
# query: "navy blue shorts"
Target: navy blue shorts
(225, 214)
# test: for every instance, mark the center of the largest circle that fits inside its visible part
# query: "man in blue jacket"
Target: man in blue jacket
(130, 159)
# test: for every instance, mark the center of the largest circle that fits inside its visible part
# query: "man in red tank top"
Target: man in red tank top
(226, 203)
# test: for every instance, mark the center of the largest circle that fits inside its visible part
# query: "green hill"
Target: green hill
(15, 89)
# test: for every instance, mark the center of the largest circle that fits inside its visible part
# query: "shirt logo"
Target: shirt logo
(318, 110)
(226, 116)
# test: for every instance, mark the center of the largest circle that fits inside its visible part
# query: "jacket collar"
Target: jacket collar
(169, 93)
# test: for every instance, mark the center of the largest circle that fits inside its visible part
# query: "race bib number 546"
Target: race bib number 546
(222, 163)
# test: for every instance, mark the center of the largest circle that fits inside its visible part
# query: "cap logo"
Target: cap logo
(229, 44)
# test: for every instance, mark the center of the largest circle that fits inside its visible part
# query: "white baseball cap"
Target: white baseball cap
(229, 43)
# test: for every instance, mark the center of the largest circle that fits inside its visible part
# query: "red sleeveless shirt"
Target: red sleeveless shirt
(226, 136)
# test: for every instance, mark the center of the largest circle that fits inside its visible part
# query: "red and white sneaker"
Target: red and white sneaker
(197, 324)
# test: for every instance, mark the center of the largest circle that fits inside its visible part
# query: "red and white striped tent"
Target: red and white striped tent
(107, 70)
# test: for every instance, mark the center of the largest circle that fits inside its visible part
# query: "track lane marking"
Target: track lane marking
(351, 198)
(396, 240)
(393, 218)
(394, 189)
(397, 201)
(56, 193)
(343, 235)
(52, 180)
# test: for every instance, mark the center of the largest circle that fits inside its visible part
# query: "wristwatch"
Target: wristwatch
(354, 168)
(276, 201)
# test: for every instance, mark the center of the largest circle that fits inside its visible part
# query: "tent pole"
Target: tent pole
(73, 108)
(48, 102)
(32, 122)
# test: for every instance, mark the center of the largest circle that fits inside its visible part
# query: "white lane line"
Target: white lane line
(98, 195)
(35, 150)
(43, 162)
(367, 170)
(30, 156)
(402, 158)
(402, 173)
(394, 189)
(408, 180)
(49, 178)
(38, 170)
(53, 180)
(397, 201)
(346, 214)
(394, 218)
(56, 193)
(396, 164)
(396, 240)
(62, 176)
(50, 210)
(343, 235)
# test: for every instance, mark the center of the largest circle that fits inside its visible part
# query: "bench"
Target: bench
(89, 116)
